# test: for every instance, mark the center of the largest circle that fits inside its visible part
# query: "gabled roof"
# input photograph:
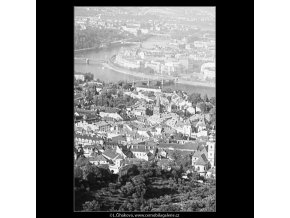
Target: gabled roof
(104, 166)
(150, 143)
(187, 146)
(132, 161)
(111, 154)
(102, 123)
(196, 154)
(118, 138)
(119, 157)
(128, 153)
(97, 158)
(202, 160)
(139, 148)
(88, 137)
(204, 151)
(149, 154)
(93, 146)
(183, 153)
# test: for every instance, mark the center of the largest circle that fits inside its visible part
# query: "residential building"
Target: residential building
(97, 160)
(142, 152)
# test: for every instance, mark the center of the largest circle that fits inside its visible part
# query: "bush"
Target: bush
(91, 206)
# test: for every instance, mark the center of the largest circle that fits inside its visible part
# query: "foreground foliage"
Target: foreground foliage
(142, 187)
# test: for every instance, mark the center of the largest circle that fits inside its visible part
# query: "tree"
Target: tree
(149, 112)
(138, 180)
(177, 156)
(168, 90)
(127, 86)
(78, 173)
(120, 94)
(112, 186)
(170, 208)
(81, 161)
(194, 176)
(167, 199)
(173, 107)
(127, 172)
(174, 174)
(213, 115)
(203, 107)
(205, 98)
(213, 101)
(89, 77)
(91, 206)
(194, 98)
(186, 161)
(128, 189)
(93, 174)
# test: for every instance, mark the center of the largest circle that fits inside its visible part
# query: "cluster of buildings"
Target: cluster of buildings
(123, 25)
(153, 132)
(180, 57)
(171, 60)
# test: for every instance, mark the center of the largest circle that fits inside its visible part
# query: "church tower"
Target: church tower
(211, 153)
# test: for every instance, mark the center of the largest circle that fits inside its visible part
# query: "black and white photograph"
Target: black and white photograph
(144, 109)
(117, 117)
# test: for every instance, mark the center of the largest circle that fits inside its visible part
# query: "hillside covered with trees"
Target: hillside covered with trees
(141, 187)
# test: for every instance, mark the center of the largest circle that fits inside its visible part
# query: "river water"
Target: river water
(108, 75)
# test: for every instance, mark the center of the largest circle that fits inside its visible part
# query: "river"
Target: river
(109, 75)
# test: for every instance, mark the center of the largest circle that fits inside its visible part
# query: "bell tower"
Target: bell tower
(211, 153)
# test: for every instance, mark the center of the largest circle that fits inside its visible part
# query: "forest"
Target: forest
(142, 187)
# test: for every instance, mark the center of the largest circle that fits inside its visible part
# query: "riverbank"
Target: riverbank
(141, 39)
(196, 83)
(85, 49)
(110, 66)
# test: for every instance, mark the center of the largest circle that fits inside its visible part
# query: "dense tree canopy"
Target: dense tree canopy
(91, 206)
(195, 98)
(213, 101)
